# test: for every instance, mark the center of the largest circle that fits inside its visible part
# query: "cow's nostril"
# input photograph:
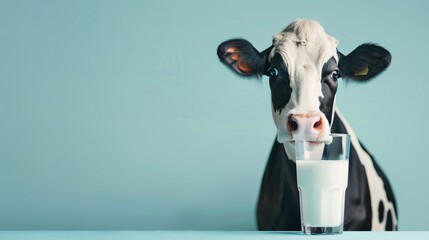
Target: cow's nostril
(318, 124)
(293, 125)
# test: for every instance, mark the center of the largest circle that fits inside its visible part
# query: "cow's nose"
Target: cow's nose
(305, 123)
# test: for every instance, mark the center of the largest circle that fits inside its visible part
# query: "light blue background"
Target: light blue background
(118, 114)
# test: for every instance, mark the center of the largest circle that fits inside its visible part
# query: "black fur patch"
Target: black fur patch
(329, 88)
(280, 85)
(380, 211)
(389, 222)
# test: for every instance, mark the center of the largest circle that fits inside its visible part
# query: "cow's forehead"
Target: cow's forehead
(304, 42)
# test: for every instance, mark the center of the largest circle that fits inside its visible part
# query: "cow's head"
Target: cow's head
(303, 65)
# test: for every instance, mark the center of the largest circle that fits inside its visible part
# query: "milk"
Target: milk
(322, 185)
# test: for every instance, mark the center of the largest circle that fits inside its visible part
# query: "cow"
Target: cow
(304, 67)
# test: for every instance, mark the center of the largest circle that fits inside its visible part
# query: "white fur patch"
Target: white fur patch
(305, 48)
(375, 183)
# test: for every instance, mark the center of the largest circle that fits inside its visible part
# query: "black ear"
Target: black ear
(240, 56)
(365, 62)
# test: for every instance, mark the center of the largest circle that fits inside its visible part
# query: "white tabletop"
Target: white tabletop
(203, 235)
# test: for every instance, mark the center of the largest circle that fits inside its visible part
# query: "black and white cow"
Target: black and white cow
(303, 66)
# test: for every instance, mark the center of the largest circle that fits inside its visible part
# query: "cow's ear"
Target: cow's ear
(365, 62)
(240, 56)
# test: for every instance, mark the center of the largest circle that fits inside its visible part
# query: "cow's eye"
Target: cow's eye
(272, 72)
(335, 74)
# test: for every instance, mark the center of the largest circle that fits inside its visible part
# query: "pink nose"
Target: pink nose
(304, 123)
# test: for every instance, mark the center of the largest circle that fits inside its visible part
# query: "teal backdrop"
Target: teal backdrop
(118, 115)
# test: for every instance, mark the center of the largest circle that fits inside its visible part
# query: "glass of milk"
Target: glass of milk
(322, 163)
